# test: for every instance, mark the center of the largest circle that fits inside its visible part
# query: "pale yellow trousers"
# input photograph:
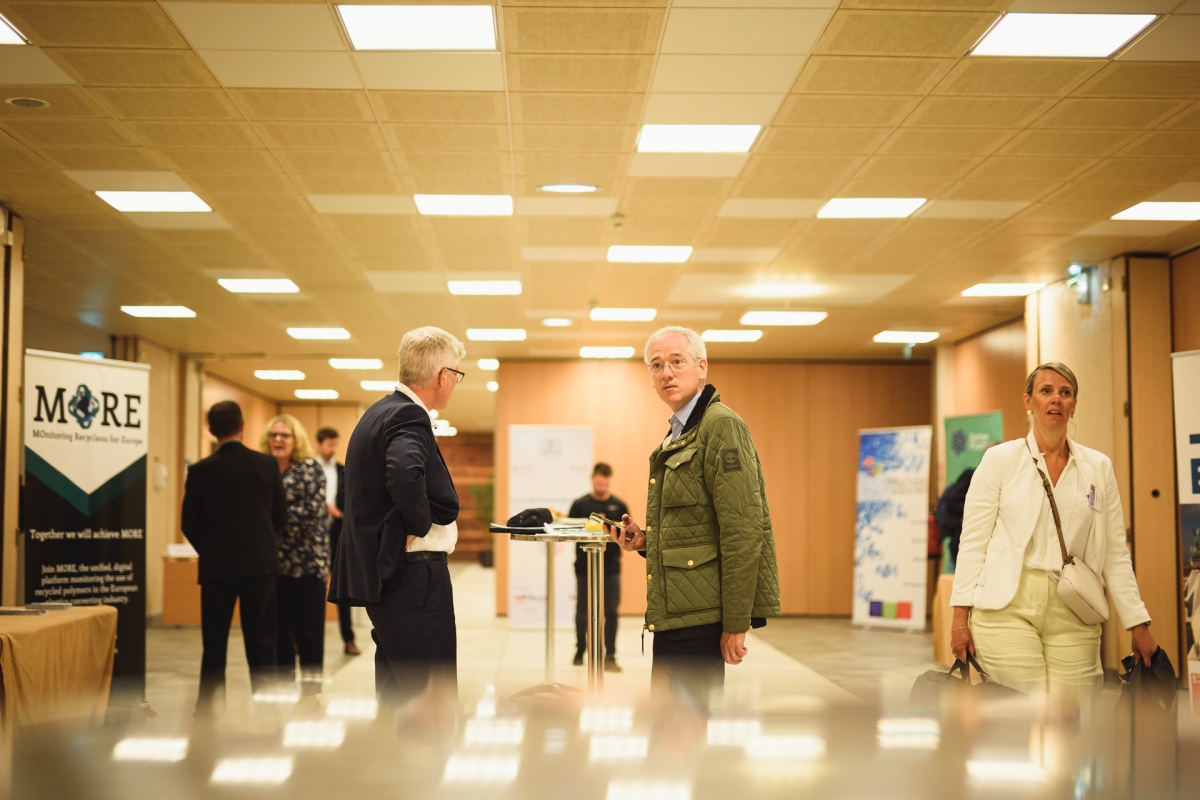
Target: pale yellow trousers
(1037, 644)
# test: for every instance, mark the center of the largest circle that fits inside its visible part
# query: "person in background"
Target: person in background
(335, 499)
(400, 526)
(233, 514)
(303, 552)
(601, 501)
(949, 511)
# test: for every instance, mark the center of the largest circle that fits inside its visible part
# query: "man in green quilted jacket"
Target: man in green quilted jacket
(711, 573)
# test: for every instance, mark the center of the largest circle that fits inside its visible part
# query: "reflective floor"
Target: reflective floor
(780, 729)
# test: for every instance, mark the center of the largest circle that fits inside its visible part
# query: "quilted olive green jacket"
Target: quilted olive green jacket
(710, 550)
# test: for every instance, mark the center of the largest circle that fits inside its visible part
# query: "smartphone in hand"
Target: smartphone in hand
(606, 521)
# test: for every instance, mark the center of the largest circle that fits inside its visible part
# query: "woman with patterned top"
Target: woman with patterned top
(303, 551)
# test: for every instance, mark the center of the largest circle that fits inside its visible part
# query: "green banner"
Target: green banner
(966, 439)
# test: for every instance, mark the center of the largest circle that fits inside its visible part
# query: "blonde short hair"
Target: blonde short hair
(1053, 366)
(424, 352)
(695, 343)
(303, 450)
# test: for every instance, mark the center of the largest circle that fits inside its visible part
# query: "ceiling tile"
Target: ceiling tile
(102, 157)
(566, 206)
(668, 206)
(205, 160)
(184, 221)
(459, 162)
(970, 209)
(711, 109)
(65, 101)
(208, 104)
(845, 111)
(568, 138)
(231, 182)
(257, 26)
(1018, 168)
(567, 254)
(1176, 38)
(1165, 144)
(1075, 112)
(143, 68)
(99, 132)
(917, 186)
(807, 166)
(349, 183)
(1144, 79)
(896, 166)
(1017, 76)
(195, 134)
(572, 163)
(304, 104)
(331, 135)
(749, 232)
(897, 33)
(1068, 143)
(765, 208)
(606, 109)
(362, 204)
(448, 137)
(1023, 191)
(128, 181)
(448, 183)
(460, 107)
(565, 232)
(61, 24)
(551, 73)
(821, 140)
(733, 31)
(977, 112)
(569, 30)
(853, 75)
(252, 68)
(700, 165)
(468, 72)
(922, 141)
(336, 160)
(719, 288)
(724, 73)
(785, 187)
(30, 65)
(1129, 170)
(650, 187)
(1188, 120)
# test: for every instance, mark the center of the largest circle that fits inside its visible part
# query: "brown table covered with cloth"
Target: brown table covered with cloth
(56, 668)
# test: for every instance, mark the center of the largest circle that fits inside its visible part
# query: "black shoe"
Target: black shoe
(578, 660)
(610, 665)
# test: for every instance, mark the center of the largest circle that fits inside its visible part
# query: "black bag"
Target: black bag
(1155, 684)
(928, 689)
(531, 518)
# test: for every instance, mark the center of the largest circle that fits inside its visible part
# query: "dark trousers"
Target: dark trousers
(689, 669)
(612, 599)
(258, 613)
(415, 637)
(345, 623)
(301, 627)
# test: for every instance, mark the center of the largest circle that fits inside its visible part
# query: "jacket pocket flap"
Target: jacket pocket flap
(682, 457)
(689, 557)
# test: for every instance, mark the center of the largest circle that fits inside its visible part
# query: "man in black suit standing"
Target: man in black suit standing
(335, 493)
(399, 522)
(233, 510)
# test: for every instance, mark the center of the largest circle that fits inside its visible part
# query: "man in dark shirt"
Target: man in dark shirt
(601, 501)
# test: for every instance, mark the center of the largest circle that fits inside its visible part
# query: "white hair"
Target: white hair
(424, 352)
(695, 343)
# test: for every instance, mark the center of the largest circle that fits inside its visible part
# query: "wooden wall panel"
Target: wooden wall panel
(989, 375)
(1185, 298)
(256, 410)
(470, 458)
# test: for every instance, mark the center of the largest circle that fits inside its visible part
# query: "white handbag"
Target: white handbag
(1078, 587)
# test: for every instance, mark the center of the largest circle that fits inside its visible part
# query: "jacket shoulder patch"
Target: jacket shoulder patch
(730, 460)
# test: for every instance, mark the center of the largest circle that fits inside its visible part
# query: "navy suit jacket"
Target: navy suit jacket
(397, 485)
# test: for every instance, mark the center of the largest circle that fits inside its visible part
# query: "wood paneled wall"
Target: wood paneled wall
(804, 418)
(1185, 299)
(256, 410)
(470, 458)
(989, 375)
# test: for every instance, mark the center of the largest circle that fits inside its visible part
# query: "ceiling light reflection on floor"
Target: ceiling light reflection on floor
(1061, 35)
(623, 314)
(1001, 772)
(159, 312)
(356, 363)
(617, 747)
(870, 207)
(788, 747)
(258, 285)
(1002, 289)
(352, 708)
(318, 334)
(316, 394)
(1176, 211)
(606, 352)
(321, 735)
(155, 202)
(417, 27)
(555, 743)
(279, 374)
(464, 205)
(741, 335)
(606, 720)
(648, 254)
(252, 770)
(278, 696)
(648, 790)
(471, 768)
(788, 318)
(485, 288)
(494, 732)
(151, 749)
(733, 732)
(908, 733)
(496, 334)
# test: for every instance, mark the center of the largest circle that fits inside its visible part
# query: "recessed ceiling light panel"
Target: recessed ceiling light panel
(318, 333)
(356, 363)
(1002, 289)
(317, 394)
(496, 334)
(697, 138)
(733, 335)
(623, 314)
(606, 352)
(493, 386)
(906, 337)
(432, 27)
(782, 317)
(488, 364)
(464, 205)
(378, 386)
(556, 322)
(1159, 210)
(494, 288)
(155, 202)
(258, 285)
(9, 33)
(870, 207)
(1061, 35)
(279, 374)
(648, 254)
(569, 188)
(159, 312)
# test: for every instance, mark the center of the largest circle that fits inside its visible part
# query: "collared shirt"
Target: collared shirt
(680, 417)
(441, 538)
(331, 478)
(1071, 497)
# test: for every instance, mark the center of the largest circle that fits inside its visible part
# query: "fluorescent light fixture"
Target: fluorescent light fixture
(464, 205)
(1020, 772)
(906, 337)
(784, 289)
(1002, 289)
(462, 768)
(316, 394)
(1061, 35)
(606, 352)
(317, 735)
(782, 317)
(494, 732)
(93, 354)
(617, 747)
(258, 285)
(352, 708)
(484, 287)
(737, 335)
(569, 188)
(556, 322)
(623, 314)
(159, 312)
(413, 27)
(697, 138)
(318, 333)
(870, 207)
(648, 254)
(488, 364)
(155, 748)
(379, 386)
(252, 770)
(9, 33)
(445, 431)
(279, 374)
(496, 334)
(356, 363)
(1166, 211)
(606, 720)
(493, 386)
(161, 202)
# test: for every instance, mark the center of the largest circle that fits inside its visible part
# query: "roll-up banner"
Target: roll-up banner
(84, 502)
(891, 531)
(967, 438)
(1186, 374)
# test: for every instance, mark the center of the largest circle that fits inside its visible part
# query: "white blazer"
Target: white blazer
(1001, 511)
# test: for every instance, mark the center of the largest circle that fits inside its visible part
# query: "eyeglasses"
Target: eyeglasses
(676, 364)
(274, 435)
(460, 375)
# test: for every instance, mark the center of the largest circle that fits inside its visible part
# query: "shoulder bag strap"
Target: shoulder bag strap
(1067, 558)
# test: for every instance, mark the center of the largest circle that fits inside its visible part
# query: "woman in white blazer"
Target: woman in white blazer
(1007, 612)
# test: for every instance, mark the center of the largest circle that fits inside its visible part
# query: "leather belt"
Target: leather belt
(424, 555)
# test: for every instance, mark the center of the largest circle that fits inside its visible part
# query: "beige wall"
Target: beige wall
(1185, 296)
(256, 410)
(162, 496)
(12, 419)
(804, 418)
(989, 375)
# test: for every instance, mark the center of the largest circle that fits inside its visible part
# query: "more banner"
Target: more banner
(967, 437)
(84, 501)
(891, 532)
(1186, 379)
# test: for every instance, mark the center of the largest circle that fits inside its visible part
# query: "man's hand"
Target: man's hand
(733, 647)
(631, 538)
(1144, 646)
(333, 511)
(408, 542)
